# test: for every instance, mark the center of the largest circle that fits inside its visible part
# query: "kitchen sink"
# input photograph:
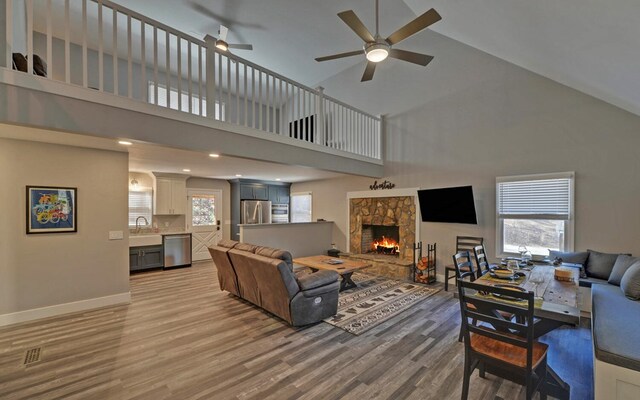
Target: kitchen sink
(144, 240)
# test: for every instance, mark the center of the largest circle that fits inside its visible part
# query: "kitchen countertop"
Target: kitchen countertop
(283, 224)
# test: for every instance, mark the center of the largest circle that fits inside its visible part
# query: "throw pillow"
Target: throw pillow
(599, 265)
(622, 264)
(568, 257)
(630, 283)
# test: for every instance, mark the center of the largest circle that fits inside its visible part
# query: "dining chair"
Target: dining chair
(482, 263)
(502, 347)
(463, 269)
(463, 243)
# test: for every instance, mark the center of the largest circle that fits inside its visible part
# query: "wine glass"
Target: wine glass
(536, 279)
(512, 265)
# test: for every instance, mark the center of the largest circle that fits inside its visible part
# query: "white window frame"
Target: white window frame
(195, 98)
(149, 216)
(310, 194)
(569, 225)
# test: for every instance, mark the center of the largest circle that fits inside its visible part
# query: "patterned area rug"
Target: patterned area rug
(374, 301)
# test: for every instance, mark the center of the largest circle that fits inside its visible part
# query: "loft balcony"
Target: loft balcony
(112, 72)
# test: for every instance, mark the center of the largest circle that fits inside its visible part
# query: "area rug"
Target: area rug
(376, 300)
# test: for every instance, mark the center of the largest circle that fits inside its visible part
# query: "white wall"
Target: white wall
(470, 117)
(47, 274)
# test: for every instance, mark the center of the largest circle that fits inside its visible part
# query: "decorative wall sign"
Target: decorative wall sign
(382, 185)
(51, 209)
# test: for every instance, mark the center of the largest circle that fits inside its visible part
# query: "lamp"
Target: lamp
(376, 52)
(134, 183)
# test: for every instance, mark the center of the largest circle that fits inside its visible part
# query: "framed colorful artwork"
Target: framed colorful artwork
(52, 209)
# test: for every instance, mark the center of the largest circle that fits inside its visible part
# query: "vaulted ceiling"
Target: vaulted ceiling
(590, 45)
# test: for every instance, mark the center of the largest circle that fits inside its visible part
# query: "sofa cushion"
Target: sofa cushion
(630, 283)
(228, 243)
(599, 265)
(569, 257)
(276, 253)
(622, 264)
(251, 248)
(615, 338)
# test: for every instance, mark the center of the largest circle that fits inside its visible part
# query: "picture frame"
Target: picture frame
(51, 209)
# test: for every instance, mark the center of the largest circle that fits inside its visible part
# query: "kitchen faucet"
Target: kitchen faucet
(146, 222)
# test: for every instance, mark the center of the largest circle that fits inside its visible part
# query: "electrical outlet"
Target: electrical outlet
(116, 235)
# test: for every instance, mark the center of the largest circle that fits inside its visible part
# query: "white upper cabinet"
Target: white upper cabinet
(170, 196)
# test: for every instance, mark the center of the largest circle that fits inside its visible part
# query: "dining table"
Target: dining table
(556, 305)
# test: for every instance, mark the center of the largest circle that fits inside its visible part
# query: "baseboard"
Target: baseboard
(59, 309)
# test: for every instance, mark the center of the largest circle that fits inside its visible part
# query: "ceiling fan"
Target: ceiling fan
(221, 41)
(377, 49)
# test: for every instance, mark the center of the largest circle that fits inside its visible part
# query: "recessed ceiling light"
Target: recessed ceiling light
(238, 175)
(213, 155)
(277, 179)
(125, 142)
(186, 170)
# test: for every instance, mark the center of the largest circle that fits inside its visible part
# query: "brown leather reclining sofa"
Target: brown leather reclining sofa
(264, 276)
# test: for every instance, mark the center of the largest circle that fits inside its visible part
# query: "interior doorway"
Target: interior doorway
(203, 221)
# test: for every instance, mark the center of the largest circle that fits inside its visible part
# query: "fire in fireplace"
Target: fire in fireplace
(381, 239)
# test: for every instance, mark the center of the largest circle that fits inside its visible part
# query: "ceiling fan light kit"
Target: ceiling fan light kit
(376, 52)
(222, 45)
(377, 49)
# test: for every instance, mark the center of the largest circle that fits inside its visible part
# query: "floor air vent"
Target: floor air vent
(32, 356)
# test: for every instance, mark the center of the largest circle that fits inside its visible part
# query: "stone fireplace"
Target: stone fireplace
(388, 215)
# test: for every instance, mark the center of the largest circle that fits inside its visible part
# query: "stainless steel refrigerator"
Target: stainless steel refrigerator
(255, 212)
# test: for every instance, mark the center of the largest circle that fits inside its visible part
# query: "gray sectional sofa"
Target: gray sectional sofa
(264, 276)
(610, 287)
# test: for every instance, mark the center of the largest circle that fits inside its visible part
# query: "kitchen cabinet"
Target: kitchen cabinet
(279, 194)
(170, 196)
(254, 191)
(145, 257)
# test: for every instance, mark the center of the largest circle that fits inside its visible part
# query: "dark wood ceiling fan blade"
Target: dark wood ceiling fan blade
(410, 56)
(351, 19)
(415, 26)
(341, 55)
(368, 71)
(241, 46)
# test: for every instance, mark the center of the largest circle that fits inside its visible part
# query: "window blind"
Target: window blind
(140, 204)
(301, 207)
(535, 199)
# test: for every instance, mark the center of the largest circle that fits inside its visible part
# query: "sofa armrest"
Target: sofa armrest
(317, 279)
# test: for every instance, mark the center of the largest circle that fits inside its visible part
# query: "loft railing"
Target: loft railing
(101, 45)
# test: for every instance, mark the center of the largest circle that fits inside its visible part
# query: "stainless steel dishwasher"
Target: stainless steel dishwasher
(177, 250)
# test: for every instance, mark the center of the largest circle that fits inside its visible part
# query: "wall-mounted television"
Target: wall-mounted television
(452, 204)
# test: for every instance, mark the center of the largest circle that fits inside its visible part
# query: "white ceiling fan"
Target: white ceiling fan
(221, 41)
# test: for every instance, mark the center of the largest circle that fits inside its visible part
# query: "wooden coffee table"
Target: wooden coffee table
(345, 269)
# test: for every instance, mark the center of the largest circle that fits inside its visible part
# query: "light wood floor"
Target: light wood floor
(182, 338)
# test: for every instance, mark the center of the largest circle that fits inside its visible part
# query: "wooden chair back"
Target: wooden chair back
(467, 243)
(464, 265)
(482, 263)
(485, 309)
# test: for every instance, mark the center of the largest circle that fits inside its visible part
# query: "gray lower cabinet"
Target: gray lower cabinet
(145, 257)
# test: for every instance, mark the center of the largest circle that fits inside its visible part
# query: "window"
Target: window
(301, 207)
(173, 100)
(140, 205)
(535, 211)
(203, 210)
